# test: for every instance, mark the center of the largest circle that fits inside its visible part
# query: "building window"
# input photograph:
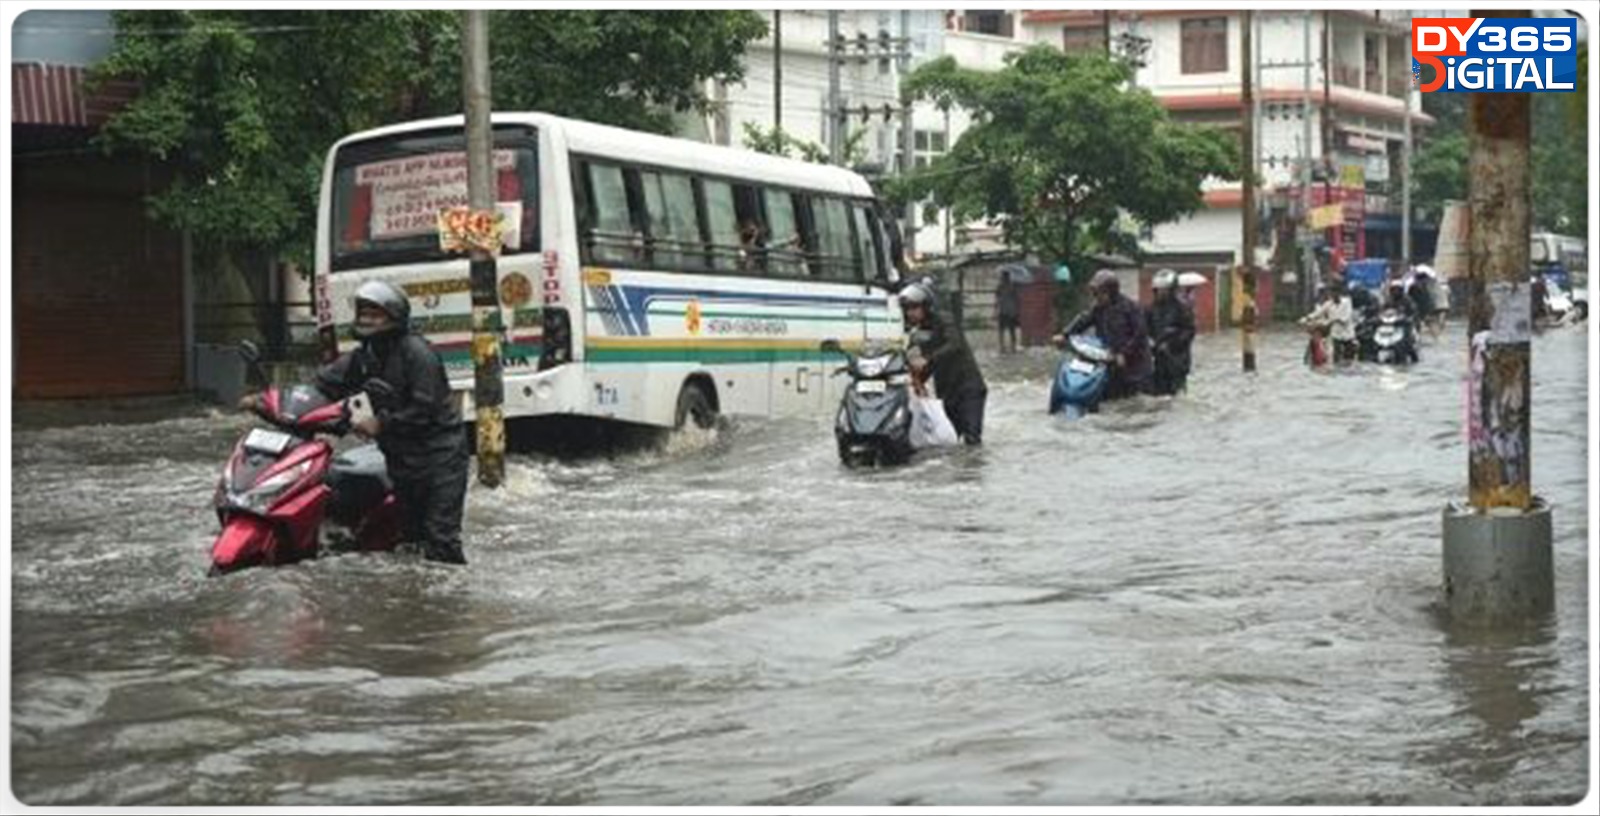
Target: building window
(1204, 46)
(1373, 45)
(997, 23)
(930, 145)
(1081, 40)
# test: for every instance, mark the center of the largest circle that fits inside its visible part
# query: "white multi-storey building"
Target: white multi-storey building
(869, 87)
(1354, 92)
(1353, 100)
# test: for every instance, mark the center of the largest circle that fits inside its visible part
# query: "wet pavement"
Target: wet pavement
(1227, 598)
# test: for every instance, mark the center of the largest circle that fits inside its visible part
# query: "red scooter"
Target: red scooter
(285, 495)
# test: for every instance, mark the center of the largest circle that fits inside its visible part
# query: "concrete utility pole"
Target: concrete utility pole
(1327, 117)
(1313, 278)
(1497, 551)
(835, 105)
(1405, 176)
(777, 69)
(1247, 259)
(908, 132)
(488, 386)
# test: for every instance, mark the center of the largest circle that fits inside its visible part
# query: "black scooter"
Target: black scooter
(873, 427)
(1393, 338)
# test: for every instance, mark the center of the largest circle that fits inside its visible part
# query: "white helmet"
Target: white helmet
(1165, 279)
(917, 294)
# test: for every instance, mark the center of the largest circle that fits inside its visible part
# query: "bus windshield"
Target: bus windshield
(387, 194)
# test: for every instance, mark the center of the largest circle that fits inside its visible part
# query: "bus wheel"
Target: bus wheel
(695, 404)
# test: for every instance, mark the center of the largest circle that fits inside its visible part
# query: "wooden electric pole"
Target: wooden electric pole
(488, 391)
(777, 70)
(1499, 565)
(1500, 315)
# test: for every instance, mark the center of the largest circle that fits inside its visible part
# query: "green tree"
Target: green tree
(1560, 158)
(1439, 174)
(243, 105)
(628, 68)
(1059, 145)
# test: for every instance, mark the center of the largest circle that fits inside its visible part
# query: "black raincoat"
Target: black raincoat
(420, 433)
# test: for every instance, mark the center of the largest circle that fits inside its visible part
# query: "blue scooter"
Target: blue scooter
(1082, 378)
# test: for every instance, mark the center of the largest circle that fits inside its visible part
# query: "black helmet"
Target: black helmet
(387, 297)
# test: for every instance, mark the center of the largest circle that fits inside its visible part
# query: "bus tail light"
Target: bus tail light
(557, 338)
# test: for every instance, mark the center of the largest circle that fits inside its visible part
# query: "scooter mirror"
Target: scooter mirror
(832, 346)
(251, 354)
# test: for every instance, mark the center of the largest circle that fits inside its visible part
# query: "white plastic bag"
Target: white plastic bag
(930, 428)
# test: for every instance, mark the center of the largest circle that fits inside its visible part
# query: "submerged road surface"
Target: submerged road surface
(1227, 598)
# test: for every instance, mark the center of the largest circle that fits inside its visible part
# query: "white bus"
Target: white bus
(1564, 258)
(644, 279)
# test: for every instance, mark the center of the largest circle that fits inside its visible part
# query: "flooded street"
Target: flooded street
(1226, 598)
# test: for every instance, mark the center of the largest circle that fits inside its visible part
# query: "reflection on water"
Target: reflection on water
(1224, 598)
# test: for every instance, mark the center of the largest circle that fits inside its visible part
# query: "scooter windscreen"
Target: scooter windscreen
(1089, 348)
(303, 408)
(876, 364)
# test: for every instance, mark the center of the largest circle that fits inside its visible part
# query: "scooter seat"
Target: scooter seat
(363, 463)
(358, 480)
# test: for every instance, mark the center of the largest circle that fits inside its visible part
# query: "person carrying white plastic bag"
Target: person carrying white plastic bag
(930, 428)
(940, 352)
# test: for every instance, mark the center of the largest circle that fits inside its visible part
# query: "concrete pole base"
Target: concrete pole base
(1498, 566)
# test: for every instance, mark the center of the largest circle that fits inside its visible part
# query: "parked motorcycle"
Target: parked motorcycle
(873, 426)
(285, 495)
(1082, 377)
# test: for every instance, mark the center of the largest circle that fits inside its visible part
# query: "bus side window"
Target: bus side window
(752, 230)
(834, 241)
(613, 236)
(868, 252)
(785, 248)
(674, 229)
(722, 222)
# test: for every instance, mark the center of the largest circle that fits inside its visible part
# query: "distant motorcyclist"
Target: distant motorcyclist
(415, 421)
(1420, 291)
(1335, 314)
(943, 354)
(1395, 297)
(1171, 327)
(1120, 324)
(1365, 303)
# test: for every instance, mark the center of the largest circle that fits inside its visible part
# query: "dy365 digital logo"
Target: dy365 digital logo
(1534, 55)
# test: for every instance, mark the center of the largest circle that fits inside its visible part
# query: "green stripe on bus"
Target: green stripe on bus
(707, 314)
(703, 355)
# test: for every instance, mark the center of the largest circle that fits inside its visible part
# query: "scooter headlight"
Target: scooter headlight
(871, 366)
(260, 497)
